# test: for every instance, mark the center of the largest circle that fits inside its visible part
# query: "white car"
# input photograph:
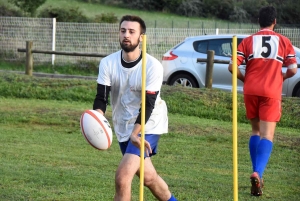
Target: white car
(181, 66)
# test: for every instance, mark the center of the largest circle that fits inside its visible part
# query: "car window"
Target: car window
(222, 47)
(239, 40)
(201, 46)
(226, 49)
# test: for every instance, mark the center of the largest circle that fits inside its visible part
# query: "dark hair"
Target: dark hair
(133, 18)
(267, 15)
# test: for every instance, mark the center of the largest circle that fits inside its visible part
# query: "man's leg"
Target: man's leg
(263, 153)
(270, 113)
(264, 149)
(155, 183)
(128, 167)
(254, 141)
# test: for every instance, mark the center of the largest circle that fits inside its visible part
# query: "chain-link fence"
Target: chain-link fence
(46, 34)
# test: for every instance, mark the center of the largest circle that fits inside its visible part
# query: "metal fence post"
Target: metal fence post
(209, 68)
(29, 58)
(53, 39)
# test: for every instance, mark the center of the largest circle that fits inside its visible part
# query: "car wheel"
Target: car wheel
(184, 80)
(297, 94)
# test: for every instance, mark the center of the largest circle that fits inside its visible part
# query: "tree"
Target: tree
(153, 5)
(219, 8)
(28, 6)
(287, 11)
(290, 13)
(190, 8)
(253, 7)
(71, 14)
(239, 15)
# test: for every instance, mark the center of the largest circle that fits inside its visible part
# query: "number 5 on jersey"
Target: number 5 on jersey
(265, 46)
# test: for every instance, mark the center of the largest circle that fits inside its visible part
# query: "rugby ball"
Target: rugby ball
(96, 129)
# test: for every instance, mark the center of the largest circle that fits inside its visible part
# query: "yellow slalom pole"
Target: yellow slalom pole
(234, 117)
(143, 118)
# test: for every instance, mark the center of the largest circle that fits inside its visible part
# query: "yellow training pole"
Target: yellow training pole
(143, 118)
(234, 117)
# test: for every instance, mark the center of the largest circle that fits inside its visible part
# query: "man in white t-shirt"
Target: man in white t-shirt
(120, 76)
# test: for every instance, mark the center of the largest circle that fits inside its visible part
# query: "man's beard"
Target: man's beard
(129, 47)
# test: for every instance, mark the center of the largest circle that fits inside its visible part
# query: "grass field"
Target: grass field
(45, 157)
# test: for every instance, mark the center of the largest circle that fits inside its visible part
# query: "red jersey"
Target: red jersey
(265, 52)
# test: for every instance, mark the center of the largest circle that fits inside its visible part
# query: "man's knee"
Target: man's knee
(150, 179)
(121, 182)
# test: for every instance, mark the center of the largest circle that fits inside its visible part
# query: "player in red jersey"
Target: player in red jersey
(264, 52)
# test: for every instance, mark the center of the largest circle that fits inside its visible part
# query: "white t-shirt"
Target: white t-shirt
(125, 96)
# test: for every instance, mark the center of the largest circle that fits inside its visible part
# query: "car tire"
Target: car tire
(297, 94)
(184, 80)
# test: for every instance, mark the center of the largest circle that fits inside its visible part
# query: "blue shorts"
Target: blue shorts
(128, 147)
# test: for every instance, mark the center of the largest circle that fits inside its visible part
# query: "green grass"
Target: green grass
(203, 103)
(44, 156)
(84, 69)
(152, 19)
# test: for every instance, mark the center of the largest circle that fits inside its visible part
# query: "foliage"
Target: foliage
(219, 8)
(8, 11)
(239, 15)
(93, 1)
(153, 5)
(74, 14)
(289, 12)
(106, 18)
(222, 9)
(171, 6)
(150, 5)
(40, 88)
(191, 8)
(236, 11)
(82, 67)
(28, 6)
(109, 2)
(64, 15)
(253, 8)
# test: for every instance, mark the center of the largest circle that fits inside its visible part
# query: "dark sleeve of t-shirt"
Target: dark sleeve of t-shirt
(149, 106)
(101, 99)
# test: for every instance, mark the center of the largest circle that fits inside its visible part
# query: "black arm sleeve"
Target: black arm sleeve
(150, 102)
(102, 96)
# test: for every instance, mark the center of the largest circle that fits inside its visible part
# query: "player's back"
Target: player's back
(265, 53)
